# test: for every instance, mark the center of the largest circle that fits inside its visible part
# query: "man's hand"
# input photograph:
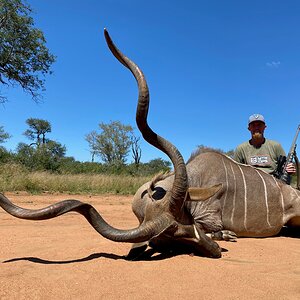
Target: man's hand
(290, 168)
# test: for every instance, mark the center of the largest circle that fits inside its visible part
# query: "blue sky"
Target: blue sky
(208, 64)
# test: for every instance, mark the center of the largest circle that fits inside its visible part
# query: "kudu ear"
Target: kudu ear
(200, 194)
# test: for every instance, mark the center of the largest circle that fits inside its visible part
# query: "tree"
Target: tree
(5, 155)
(47, 154)
(55, 149)
(37, 131)
(112, 144)
(136, 150)
(159, 165)
(45, 157)
(24, 57)
(91, 138)
(3, 135)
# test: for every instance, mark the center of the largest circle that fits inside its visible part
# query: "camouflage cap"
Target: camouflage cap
(256, 117)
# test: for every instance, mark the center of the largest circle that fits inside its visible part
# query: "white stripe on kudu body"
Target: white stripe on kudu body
(226, 179)
(281, 198)
(265, 197)
(245, 198)
(234, 195)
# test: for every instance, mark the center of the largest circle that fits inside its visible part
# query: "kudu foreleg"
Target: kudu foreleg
(197, 240)
(223, 235)
(187, 238)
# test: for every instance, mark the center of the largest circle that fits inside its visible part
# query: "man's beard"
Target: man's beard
(257, 135)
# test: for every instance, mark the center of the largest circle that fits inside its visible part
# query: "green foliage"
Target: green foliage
(154, 166)
(3, 135)
(37, 130)
(5, 156)
(24, 57)
(43, 154)
(45, 157)
(70, 166)
(113, 142)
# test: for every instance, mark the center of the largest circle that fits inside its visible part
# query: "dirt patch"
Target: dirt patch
(65, 258)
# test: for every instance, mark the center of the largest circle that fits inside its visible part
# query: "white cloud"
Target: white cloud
(273, 64)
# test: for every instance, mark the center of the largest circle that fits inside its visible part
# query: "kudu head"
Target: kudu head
(162, 218)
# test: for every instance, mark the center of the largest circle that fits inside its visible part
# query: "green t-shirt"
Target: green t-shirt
(265, 157)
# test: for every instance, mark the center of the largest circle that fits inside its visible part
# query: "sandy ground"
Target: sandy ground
(65, 258)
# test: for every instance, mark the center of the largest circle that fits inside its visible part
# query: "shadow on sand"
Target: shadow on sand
(63, 262)
(293, 232)
(148, 255)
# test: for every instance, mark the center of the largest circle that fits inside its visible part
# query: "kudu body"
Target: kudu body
(251, 203)
(173, 211)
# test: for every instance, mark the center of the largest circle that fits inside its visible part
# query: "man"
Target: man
(260, 152)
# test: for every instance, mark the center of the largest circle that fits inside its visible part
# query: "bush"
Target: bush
(5, 156)
(70, 166)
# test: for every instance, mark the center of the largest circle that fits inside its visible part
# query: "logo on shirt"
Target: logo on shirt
(259, 160)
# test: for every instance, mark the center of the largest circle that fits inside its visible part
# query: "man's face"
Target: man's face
(257, 129)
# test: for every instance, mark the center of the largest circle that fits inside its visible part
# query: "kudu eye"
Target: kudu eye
(158, 193)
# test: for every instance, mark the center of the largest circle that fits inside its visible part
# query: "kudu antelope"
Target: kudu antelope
(212, 197)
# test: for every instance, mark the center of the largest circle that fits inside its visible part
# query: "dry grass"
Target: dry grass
(14, 178)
